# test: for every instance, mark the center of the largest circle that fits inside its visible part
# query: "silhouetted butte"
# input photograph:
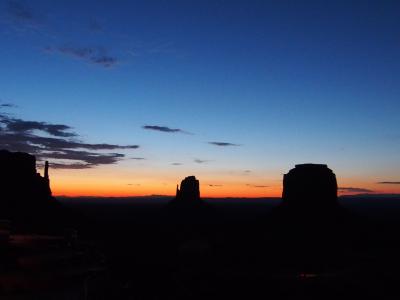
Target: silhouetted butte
(310, 186)
(25, 194)
(187, 206)
(189, 191)
(309, 195)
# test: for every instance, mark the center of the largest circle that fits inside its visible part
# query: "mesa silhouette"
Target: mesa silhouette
(310, 186)
(309, 197)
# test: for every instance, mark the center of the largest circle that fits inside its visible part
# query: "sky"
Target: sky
(126, 98)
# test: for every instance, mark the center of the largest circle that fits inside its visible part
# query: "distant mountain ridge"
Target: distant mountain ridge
(165, 198)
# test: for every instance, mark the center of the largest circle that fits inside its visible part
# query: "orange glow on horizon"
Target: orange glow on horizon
(168, 190)
(113, 182)
(126, 183)
(114, 187)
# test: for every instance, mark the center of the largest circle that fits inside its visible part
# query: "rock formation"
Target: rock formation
(187, 207)
(189, 191)
(310, 187)
(24, 192)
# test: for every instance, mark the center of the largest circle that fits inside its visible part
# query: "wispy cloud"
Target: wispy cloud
(138, 158)
(22, 18)
(21, 126)
(22, 13)
(389, 182)
(164, 129)
(93, 55)
(215, 185)
(223, 144)
(7, 105)
(200, 161)
(176, 164)
(354, 190)
(152, 48)
(257, 186)
(70, 166)
(60, 145)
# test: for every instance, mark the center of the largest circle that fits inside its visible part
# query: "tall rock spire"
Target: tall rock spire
(46, 170)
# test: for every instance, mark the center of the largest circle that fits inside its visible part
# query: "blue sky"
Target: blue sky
(287, 81)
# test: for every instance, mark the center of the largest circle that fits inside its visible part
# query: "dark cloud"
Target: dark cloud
(176, 164)
(134, 184)
(23, 16)
(77, 52)
(9, 105)
(91, 55)
(247, 171)
(257, 186)
(89, 158)
(138, 158)
(21, 126)
(105, 61)
(61, 147)
(200, 161)
(215, 185)
(163, 129)
(354, 190)
(223, 144)
(57, 143)
(19, 11)
(75, 166)
(389, 182)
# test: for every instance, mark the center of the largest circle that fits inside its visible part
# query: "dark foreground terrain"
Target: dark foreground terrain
(138, 248)
(240, 248)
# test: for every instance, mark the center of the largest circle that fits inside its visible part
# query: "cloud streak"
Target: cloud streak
(20, 12)
(389, 182)
(22, 17)
(257, 186)
(164, 129)
(354, 190)
(21, 126)
(223, 144)
(200, 161)
(93, 55)
(8, 105)
(60, 145)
